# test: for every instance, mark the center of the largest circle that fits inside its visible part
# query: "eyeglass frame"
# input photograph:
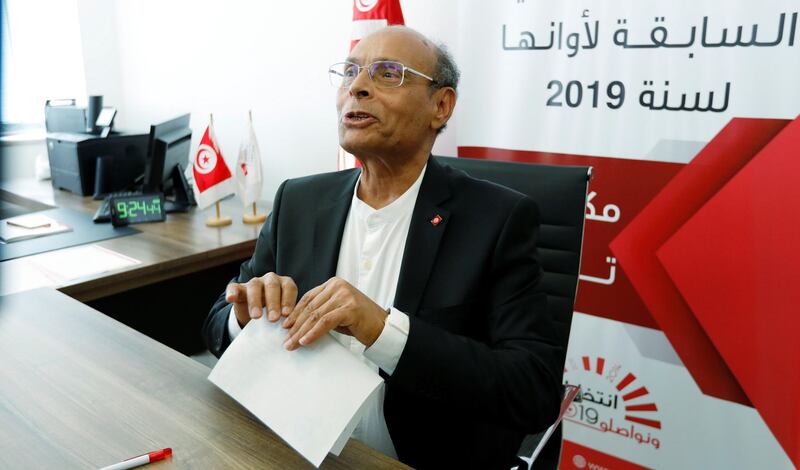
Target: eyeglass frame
(362, 67)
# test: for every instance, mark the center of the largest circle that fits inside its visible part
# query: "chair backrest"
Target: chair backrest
(560, 192)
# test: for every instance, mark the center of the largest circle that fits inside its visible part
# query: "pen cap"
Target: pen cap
(160, 454)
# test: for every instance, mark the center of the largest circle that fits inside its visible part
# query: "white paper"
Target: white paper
(24, 276)
(311, 397)
(338, 446)
(57, 268)
(81, 261)
(29, 226)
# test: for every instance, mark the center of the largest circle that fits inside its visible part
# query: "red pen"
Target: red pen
(141, 460)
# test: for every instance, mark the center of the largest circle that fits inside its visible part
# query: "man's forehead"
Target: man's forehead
(402, 45)
(358, 60)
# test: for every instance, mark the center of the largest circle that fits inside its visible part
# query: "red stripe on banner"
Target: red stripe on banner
(647, 422)
(626, 381)
(576, 456)
(639, 392)
(600, 363)
(643, 407)
(586, 364)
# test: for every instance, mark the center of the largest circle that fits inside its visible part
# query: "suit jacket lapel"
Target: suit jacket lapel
(328, 231)
(424, 236)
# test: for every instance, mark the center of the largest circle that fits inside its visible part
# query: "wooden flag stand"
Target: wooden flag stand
(254, 218)
(218, 221)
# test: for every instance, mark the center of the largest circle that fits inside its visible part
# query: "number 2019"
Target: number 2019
(573, 93)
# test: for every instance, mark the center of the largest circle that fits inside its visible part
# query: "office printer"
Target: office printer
(85, 156)
(79, 162)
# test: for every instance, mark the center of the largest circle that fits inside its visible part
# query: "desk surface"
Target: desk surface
(80, 390)
(181, 245)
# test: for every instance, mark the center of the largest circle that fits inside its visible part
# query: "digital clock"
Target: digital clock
(126, 210)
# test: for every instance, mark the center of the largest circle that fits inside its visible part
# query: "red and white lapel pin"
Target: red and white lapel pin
(436, 220)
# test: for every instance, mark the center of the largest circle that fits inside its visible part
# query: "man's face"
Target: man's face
(377, 121)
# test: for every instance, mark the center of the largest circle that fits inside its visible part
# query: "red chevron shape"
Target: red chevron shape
(635, 248)
(736, 264)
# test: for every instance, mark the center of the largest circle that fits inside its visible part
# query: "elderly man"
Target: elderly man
(429, 275)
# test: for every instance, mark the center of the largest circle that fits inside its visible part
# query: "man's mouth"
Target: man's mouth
(358, 118)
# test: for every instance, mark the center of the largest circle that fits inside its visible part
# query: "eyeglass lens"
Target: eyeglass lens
(383, 73)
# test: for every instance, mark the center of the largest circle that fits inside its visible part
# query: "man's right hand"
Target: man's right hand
(277, 293)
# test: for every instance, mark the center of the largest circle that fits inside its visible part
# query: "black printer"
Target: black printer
(79, 162)
(85, 156)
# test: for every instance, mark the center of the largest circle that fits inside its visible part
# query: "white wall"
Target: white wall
(157, 59)
(18, 159)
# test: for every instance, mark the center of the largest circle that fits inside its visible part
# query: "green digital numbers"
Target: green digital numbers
(137, 209)
(122, 210)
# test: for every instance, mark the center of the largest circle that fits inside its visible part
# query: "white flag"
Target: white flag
(248, 167)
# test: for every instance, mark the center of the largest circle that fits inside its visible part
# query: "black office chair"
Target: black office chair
(560, 192)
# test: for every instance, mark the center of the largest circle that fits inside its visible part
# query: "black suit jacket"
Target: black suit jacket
(481, 367)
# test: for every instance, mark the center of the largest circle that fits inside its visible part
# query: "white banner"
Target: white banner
(687, 112)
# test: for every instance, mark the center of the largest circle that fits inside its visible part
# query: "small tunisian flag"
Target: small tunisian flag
(372, 15)
(368, 17)
(248, 167)
(212, 178)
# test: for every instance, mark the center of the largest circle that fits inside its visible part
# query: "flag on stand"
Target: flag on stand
(212, 178)
(248, 167)
(368, 17)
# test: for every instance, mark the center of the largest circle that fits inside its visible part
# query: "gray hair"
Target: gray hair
(446, 73)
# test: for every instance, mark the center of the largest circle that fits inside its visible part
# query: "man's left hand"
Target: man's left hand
(334, 305)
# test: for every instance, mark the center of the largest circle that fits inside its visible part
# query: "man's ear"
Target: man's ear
(444, 102)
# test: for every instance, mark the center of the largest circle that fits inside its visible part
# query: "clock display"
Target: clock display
(127, 210)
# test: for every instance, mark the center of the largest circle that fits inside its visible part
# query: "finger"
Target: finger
(304, 322)
(313, 304)
(312, 317)
(255, 294)
(235, 293)
(301, 306)
(329, 289)
(272, 287)
(288, 295)
(301, 319)
(330, 321)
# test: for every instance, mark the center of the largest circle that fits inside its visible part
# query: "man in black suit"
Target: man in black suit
(430, 275)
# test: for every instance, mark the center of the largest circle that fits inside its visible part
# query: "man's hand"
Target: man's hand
(334, 305)
(277, 293)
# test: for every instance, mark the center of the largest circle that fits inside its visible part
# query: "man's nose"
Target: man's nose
(362, 84)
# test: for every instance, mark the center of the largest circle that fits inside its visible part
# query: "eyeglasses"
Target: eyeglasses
(384, 73)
